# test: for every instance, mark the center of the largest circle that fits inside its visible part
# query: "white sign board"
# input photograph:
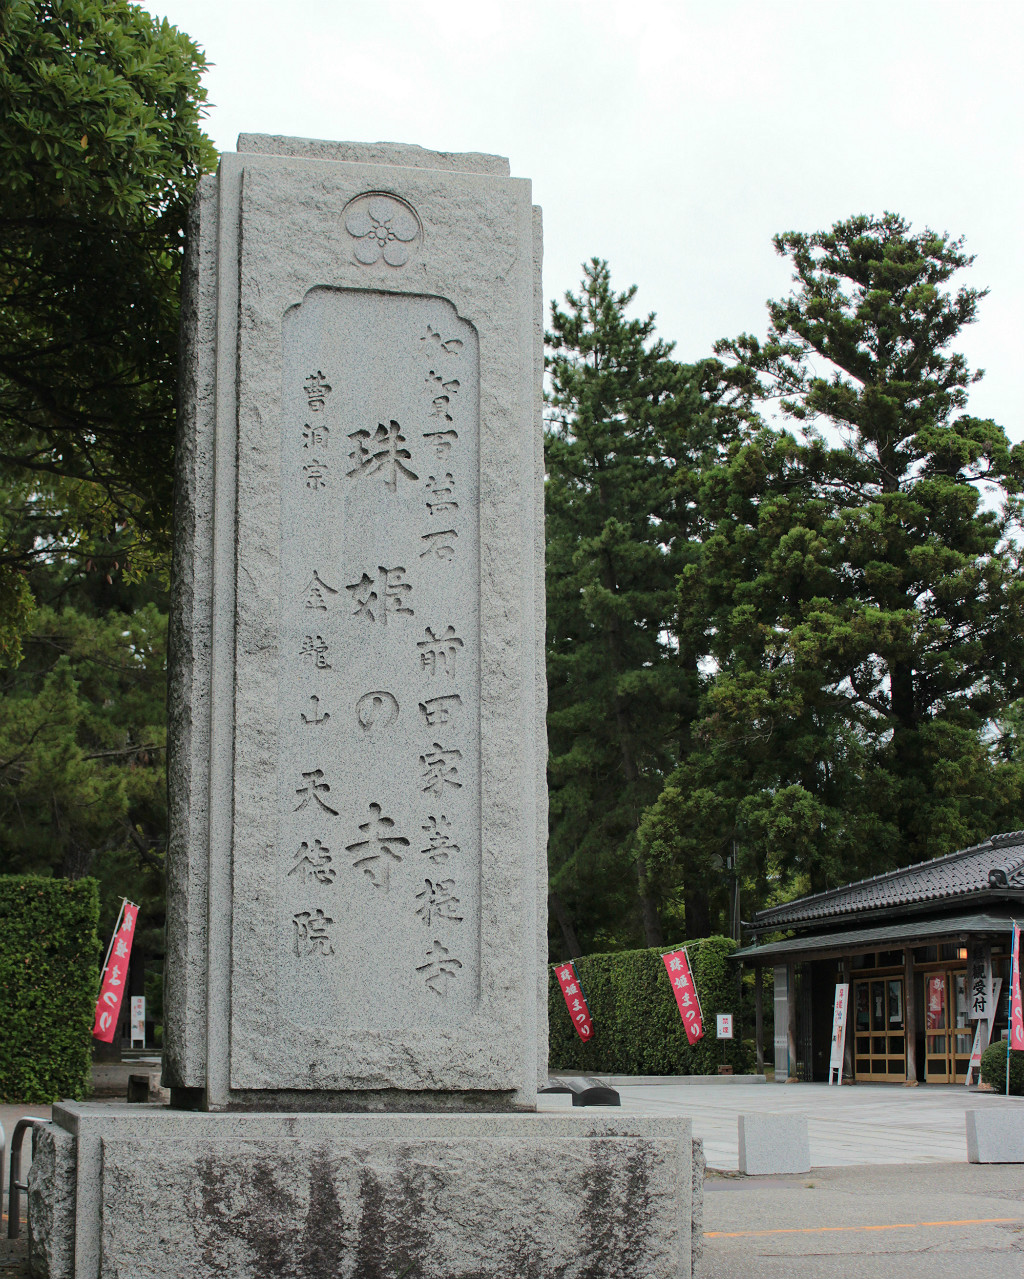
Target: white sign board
(724, 1025)
(835, 1061)
(138, 1032)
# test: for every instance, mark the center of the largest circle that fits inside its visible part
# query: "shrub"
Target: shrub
(49, 956)
(993, 1068)
(637, 1027)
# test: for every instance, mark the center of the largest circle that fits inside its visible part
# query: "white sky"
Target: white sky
(673, 138)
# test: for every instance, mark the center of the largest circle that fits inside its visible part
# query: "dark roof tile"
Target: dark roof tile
(996, 863)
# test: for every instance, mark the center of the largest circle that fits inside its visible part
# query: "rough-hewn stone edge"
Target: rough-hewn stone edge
(405, 154)
(540, 664)
(51, 1204)
(188, 693)
(700, 1167)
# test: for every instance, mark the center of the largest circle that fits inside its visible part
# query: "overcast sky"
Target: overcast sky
(673, 138)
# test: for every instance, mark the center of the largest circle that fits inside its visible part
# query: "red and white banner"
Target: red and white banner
(677, 965)
(1016, 1013)
(115, 973)
(837, 1053)
(575, 1000)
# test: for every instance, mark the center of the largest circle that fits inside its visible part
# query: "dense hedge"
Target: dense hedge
(637, 1027)
(993, 1068)
(49, 957)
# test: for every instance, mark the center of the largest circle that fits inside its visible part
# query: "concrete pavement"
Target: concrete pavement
(928, 1221)
(862, 1124)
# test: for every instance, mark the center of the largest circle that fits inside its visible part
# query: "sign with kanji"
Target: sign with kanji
(677, 965)
(838, 1050)
(724, 1025)
(1016, 1013)
(575, 1000)
(115, 974)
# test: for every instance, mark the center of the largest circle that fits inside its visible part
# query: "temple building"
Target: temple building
(926, 951)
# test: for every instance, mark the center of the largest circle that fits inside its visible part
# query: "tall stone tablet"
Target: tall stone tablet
(357, 882)
(357, 864)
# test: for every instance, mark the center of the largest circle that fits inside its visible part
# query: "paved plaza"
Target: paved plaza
(859, 1124)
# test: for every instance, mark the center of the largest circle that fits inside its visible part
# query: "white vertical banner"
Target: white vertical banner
(835, 1060)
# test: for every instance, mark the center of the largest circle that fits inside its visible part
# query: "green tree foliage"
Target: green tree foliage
(625, 425)
(859, 589)
(101, 146)
(82, 738)
(49, 969)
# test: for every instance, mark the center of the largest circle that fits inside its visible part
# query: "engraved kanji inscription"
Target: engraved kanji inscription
(438, 710)
(441, 845)
(440, 769)
(378, 709)
(432, 340)
(316, 473)
(311, 791)
(311, 933)
(440, 407)
(315, 435)
(382, 453)
(315, 716)
(439, 968)
(437, 383)
(442, 441)
(313, 863)
(316, 591)
(441, 544)
(376, 598)
(441, 494)
(315, 648)
(437, 652)
(437, 901)
(317, 390)
(377, 850)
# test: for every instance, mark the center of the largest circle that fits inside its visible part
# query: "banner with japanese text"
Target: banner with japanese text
(115, 973)
(677, 964)
(1016, 1012)
(575, 1000)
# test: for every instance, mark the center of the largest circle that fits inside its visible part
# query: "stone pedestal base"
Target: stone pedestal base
(144, 1192)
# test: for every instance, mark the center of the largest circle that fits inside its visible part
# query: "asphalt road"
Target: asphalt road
(933, 1221)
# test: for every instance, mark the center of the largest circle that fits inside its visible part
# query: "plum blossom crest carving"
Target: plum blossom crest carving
(383, 226)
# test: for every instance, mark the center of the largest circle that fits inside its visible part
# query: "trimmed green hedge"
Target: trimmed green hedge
(49, 970)
(993, 1068)
(637, 1027)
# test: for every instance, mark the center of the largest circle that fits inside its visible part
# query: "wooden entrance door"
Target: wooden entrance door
(880, 1044)
(947, 1026)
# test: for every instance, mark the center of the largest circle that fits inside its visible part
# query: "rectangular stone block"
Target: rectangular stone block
(357, 879)
(995, 1135)
(773, 1143)
(163, 1193)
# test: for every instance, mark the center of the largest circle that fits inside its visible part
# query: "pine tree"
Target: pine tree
(625, 425)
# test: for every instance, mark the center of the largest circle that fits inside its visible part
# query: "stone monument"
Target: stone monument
(356, 980)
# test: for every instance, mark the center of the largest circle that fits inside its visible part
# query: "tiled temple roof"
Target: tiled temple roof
(998, 863)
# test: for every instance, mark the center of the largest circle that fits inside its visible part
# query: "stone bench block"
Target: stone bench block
(995, 1136)
(773, 1143)
(141, 1190)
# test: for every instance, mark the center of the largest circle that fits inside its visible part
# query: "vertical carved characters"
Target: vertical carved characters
(381, 670)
